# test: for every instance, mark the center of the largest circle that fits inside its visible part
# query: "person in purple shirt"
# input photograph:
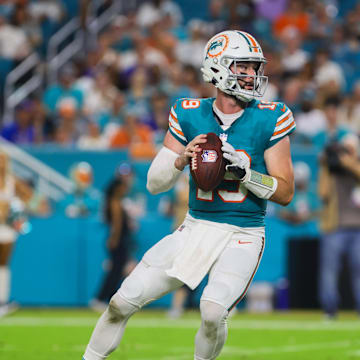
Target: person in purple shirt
(21, 130)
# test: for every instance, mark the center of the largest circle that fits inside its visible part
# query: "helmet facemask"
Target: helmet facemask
(232, 85)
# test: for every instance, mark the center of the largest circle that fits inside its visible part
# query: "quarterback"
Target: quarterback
(223, 234)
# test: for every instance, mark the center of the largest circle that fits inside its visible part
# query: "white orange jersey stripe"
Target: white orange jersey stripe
(285, 123)
(174, 125)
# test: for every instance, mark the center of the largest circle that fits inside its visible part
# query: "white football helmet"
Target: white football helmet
(229, 48)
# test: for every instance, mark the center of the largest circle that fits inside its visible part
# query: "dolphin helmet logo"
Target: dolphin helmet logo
(217, 46)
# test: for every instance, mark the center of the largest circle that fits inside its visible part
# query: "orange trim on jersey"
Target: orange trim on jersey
(252, 276)
(283, 109)
(284, 129)
(174, 118)
(284, 119)
(253, 42)
(175, 129)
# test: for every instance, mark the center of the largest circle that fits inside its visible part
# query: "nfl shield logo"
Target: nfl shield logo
(209, 156)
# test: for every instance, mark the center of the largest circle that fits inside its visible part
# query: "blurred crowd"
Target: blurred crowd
(118, 92)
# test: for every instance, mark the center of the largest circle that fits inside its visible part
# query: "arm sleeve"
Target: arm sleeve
(284, 125)
(162, 174)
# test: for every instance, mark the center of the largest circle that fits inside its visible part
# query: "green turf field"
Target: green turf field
(63, 335)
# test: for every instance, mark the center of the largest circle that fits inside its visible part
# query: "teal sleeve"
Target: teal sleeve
(175, 124)
(282, 122)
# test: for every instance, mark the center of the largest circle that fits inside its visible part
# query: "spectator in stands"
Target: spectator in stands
(350, 111)
(11, 194)
(163, 41)
(293, 56)
(328, 76)
(321, 24)
(191, 80)
(14, 43)
(52, 10)
(310, 120)
(190, 50)
(120, 242)
(137, 137)
(271, 10)
(44, 125)
(159, 116)
(304, 206)
(138, 96)
(92, 139)
(6, 8)
(36, 203)
(21, 131)
(114, 115)
(338, 188)
(22, 19)
(64, 89)
(98, 92)
(69, 124)
(294, 16)
(151, 11)
(84, 201)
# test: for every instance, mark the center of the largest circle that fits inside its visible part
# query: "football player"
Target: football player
(223, 234)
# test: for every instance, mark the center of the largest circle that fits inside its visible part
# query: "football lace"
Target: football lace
(193, 163)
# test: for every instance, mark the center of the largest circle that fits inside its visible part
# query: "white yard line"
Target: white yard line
(187, 352)
(289, 348)
(185, 323)
(238, 351)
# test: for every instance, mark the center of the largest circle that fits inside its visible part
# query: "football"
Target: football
(208, 167)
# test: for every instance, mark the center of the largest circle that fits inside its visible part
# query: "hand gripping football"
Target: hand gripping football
(208, 167)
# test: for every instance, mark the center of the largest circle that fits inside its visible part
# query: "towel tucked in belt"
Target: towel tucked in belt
(199, 253)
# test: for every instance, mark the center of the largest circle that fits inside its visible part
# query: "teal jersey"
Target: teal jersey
(261, 125)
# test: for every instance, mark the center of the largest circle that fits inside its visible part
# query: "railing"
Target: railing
(99, 23)
(49, 182)
(57, 58)
(12, 96)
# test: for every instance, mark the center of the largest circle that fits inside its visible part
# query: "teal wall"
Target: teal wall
(60, 262)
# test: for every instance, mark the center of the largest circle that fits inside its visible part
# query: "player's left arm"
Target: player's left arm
(278, 184)
(279, 166)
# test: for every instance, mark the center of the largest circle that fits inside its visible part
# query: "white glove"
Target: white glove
(239, 161)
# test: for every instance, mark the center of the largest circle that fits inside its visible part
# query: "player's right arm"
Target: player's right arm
(170, 162)
(175, 154)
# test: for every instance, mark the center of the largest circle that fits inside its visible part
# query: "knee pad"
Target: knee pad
(132, 289)
(119, 308)
(212, 316)
(217, 292)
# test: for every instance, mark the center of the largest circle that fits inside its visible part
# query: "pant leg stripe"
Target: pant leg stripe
(252, 276)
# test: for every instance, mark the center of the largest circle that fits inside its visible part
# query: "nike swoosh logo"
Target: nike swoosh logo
(236, 47)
